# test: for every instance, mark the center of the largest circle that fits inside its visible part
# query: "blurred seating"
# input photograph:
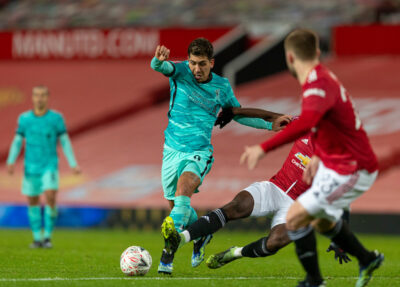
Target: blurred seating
(262, 15)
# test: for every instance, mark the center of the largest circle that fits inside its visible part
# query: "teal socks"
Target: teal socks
(181, 212)
(35, 221)
(193, 216)
(50, 217)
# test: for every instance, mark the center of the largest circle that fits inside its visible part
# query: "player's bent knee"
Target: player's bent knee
(297, 217)
(241, 206)
(322, 225)
(278, 240)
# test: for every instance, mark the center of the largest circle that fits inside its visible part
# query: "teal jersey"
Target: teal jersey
(194, 107)
(41, 136)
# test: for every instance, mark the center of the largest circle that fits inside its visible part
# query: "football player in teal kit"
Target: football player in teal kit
(42, 129)
(197, 95)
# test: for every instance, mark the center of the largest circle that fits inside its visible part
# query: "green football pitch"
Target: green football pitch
(91, 258)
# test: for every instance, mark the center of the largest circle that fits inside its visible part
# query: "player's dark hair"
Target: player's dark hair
(201, 47)
(304, 44)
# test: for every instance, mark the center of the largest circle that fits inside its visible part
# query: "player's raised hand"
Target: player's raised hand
(10, 169)
(162, 53)
(252, 154)
(281, 122)
(76, 170)
(311, 169)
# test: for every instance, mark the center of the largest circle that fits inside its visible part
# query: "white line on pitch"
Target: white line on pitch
(171, 278)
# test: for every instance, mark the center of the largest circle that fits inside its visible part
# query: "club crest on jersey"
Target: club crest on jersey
(304, 141)
(304, 159)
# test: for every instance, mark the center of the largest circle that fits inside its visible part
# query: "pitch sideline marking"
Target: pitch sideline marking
(163, 278)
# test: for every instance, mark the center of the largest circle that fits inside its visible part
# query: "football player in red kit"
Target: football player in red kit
(343, 167)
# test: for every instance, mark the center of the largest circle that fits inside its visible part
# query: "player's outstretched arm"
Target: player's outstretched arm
(252, 117)
(159, 63)
(279, 121)
(69, 153)
(13, 154)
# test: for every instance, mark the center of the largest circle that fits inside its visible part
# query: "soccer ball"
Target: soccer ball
(135, 261)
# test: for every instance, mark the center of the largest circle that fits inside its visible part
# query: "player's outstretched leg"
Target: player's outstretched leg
(263, 247)
(220, 259)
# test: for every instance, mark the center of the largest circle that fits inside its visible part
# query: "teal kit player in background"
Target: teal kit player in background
(42, 129)
(197, 95)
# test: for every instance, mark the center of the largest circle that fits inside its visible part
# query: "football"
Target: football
(135, 261)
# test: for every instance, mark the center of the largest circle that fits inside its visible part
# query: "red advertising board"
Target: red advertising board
(366, 40)
(126, 43)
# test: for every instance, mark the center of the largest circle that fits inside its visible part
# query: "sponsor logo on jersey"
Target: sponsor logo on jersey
(304, 159)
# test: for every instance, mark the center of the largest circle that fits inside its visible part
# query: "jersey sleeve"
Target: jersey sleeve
(228, 98)
(317, 97)
(20, 126)
(180, 68)
(61, 127)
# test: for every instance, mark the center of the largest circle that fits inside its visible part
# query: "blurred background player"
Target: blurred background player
(42, 129)
(343, 168)
(197, 94)
(267, 198)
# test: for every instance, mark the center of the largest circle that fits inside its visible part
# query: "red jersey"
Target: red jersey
(338, 136)
(289, 177)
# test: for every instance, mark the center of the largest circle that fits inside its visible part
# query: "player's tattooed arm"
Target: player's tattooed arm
(272, 121)
(279, 121)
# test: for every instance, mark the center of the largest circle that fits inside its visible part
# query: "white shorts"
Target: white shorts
(269, 200)
(332, 192)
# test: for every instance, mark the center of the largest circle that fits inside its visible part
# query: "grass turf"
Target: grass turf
(91, 258)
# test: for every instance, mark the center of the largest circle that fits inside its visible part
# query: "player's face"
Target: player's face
(201, 67)
(289, 62)
(40, 98)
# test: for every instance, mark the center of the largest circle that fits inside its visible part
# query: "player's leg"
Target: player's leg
(169, 179)
(182, 210)
(268, 199)
(50, 217)
(181, 177)
(303, 236)
(340, 233)
(35, 220)
(31, 187)
(240, 207)
(263, 247)
(50, 185)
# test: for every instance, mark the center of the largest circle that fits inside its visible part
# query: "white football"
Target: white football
(135, 261)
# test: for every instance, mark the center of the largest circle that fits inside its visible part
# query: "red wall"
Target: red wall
(366, 40)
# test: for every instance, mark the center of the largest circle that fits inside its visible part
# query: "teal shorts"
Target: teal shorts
(175, 163)
(34, 185)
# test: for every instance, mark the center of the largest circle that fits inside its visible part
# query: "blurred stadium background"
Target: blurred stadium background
(94, 56)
